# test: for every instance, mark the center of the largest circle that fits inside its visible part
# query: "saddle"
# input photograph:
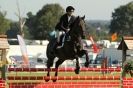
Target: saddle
(63, 38)
(60, 44)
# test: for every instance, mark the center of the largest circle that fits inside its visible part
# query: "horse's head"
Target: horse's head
(78, 28)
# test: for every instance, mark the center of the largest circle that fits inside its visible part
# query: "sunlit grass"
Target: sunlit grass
(62, 74)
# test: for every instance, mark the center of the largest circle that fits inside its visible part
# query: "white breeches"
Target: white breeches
(58, 34)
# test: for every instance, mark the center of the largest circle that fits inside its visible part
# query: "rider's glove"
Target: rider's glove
(67, 30)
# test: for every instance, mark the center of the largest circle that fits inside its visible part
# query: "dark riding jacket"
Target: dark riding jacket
(64, 24)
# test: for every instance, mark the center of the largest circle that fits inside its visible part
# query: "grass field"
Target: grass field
(60, 74)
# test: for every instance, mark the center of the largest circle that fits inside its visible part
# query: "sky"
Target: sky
(92, 9)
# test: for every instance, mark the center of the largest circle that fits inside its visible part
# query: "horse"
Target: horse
(71, 49)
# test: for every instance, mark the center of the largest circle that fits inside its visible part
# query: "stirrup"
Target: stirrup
(68, 38)
(58, 47)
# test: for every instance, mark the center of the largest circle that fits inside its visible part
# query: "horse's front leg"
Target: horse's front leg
(77, 66)
(48, 74)
(58, 63)
(87, 59)
(49, 64)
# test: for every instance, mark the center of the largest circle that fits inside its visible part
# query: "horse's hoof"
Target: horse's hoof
(77, 71)
(54, 80)
(86, 64)
(46, 80)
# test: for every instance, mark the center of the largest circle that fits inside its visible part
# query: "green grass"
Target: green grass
(62, 74)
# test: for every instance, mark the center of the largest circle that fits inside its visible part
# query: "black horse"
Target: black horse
(71, 49)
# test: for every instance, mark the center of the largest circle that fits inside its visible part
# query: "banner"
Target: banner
(23, 50)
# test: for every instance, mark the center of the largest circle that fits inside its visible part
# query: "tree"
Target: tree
(44, 21)
(122, 20)
(98, 28)
(31, 23)
(4, 23)
(14, 30)
(21, 21)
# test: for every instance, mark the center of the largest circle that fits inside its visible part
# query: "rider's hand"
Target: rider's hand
(67, 30)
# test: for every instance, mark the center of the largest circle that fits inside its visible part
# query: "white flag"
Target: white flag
(23, 50)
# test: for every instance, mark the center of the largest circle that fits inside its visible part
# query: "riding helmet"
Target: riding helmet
(70, 9)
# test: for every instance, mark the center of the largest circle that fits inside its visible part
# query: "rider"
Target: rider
(64, 25)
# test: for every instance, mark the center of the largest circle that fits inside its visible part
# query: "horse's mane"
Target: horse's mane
(76, 30)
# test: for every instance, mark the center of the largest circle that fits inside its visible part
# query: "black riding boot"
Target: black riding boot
(67, 37)
(55, 46)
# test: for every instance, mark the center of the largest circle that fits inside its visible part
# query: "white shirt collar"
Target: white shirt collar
(69, 17)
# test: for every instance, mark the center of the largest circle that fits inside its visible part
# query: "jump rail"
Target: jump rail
(107, 83)
(64, 78)
(2, 83)
(64, 69)
(67, 85)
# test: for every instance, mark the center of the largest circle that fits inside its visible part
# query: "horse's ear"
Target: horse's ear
(83, 17)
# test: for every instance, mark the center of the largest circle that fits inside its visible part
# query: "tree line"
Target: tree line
(39, 25)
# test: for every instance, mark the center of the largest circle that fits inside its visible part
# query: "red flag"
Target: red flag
(95, 49)
(94, 45)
